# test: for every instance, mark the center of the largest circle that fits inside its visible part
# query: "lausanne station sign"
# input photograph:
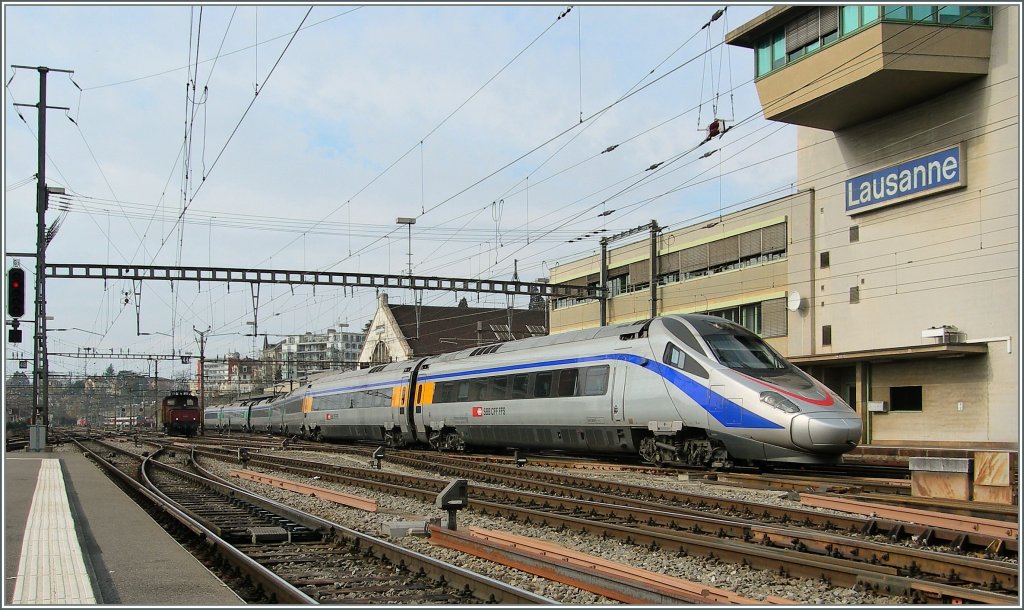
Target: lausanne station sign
(933, 173)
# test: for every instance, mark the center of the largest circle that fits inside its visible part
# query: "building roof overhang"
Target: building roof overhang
(888, 354)
(747, 34)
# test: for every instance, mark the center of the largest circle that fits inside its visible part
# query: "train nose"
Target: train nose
(826, 432)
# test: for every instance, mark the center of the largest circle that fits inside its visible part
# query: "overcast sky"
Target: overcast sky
(485, 123)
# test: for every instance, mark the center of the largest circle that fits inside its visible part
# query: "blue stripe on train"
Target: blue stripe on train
(726, 412)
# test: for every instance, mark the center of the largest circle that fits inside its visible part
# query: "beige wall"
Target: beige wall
(943, 383)
(726, 289)
(950, 258)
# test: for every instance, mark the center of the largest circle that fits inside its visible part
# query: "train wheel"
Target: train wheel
(649, 451)
(453, 441)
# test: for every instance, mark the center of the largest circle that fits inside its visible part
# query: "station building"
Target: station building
(892, 273)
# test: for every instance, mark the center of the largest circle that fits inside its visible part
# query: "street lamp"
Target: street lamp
(409, 222)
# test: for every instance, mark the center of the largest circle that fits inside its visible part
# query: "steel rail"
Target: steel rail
(586, 488)
(886, 560)
(274, 586)
(613, 580)
(482, 587)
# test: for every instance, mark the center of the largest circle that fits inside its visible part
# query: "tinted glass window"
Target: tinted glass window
(673, 356)
(542, 389)
(496, 388)
(745, 352)
(447, 392)
(597, 381)
(463, 393)
(567, 380)
(520, 383)
(478, 389)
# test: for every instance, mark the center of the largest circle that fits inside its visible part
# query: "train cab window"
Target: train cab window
(520, 387)
(596, 383)
(567, 382)
(463, 393)
(542, 389)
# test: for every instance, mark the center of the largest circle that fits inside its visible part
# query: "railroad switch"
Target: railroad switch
(375, 459)
(453, 498)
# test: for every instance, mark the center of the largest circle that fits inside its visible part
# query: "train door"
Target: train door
(618, 392)
(413, 422)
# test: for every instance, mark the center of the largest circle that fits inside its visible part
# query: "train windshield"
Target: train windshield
(741, 350)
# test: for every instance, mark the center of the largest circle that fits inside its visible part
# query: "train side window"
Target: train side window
(463, 394)
(520, 385)
(478, 389)
(674, 356)
(447, 392)
(567, 382)
(596, 383)
(497, 387)
(542, 389)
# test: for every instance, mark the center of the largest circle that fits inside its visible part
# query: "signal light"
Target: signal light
(16, 292)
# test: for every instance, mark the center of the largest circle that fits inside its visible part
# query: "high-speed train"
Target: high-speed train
(677, 389)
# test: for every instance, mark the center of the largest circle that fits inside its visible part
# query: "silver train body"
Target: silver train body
(677, 389)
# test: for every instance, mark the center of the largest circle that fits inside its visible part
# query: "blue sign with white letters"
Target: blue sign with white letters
(926, 175)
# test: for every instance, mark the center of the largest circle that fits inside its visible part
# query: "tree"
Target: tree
(18, 379)
(537, 303)
(463, 304)
(109, 372)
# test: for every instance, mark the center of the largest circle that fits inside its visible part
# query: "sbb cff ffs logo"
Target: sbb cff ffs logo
(15, 301)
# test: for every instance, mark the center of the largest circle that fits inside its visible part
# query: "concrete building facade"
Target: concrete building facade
(896, 281)
(333, 349)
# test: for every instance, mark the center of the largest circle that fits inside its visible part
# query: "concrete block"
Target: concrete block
(399, 529)
(949, 485)
(992, 468)
(940, 464)
(993, 494)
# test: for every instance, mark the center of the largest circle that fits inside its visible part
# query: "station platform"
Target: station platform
(72, 537)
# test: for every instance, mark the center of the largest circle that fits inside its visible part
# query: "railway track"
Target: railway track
(271, 553)
(740, 537)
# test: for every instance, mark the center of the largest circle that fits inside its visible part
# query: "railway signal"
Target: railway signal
(16, 292)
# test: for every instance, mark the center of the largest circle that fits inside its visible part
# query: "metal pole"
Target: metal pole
(40, 396)
(603, 282)
(156, 387)
(40, 382)
(654, 268)
(202, 376)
